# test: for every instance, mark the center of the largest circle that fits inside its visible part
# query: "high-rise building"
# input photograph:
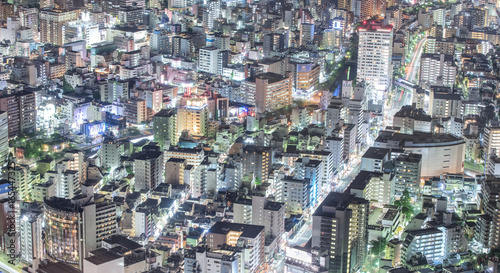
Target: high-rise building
(267, 91)
(209, 59)
(149, 170)
(110, 152)
(21, 112)
(30, 230)
(135, 111)
(67, 182)
(250, 238)
(444, 104)
(492, 141)
(193, 117)
(257, 160)
(52, 22)
(375, 54)
(74, 227)
(407, 174)
(295, 193)
(306, 34)
(165, 127)
(437, 69)
(4, 137)
(340, 231)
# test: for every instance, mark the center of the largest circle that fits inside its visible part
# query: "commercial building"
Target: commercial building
(193, 118)
(374, 57)
(441, 153)
(75, 227)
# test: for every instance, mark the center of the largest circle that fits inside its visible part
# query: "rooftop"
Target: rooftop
(248, 231)
(376, 153)
(101, 256)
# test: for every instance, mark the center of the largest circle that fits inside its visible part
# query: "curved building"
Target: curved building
(74, 227)
(63, 230)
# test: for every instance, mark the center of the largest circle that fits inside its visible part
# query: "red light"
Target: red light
(364, 22)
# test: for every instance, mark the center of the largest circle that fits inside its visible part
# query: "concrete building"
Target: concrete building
(306, 34)
(165, 127)
(250, 238)
(295, 193)
(31, 243)
(208, 59)
(52, 22)
(437, 69)
(267, 91)
(374, 159)
(110, 152)
(374, 57)
(407, 174)
(373, 186)
(441, 153)
(410, 120)
(67, 182)
(75, 227)
(149, 170)
(444, 104)
(429, 242)
(135, 111)
(193, 118)
(339, 231)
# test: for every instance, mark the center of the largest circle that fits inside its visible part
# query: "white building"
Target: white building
(208, 59)
(149, 170)
(375, 54)
(430, 242)
(437, 69)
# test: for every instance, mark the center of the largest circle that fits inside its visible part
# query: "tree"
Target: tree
(258, 181)
(378, 246)
(67, 87)
(404, 203)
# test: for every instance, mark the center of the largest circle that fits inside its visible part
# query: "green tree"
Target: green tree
(67, 87)
(404, 203)
(258, 181)
(378, 246)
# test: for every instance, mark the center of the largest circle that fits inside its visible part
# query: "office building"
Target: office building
(374, 57)
(75, 227)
